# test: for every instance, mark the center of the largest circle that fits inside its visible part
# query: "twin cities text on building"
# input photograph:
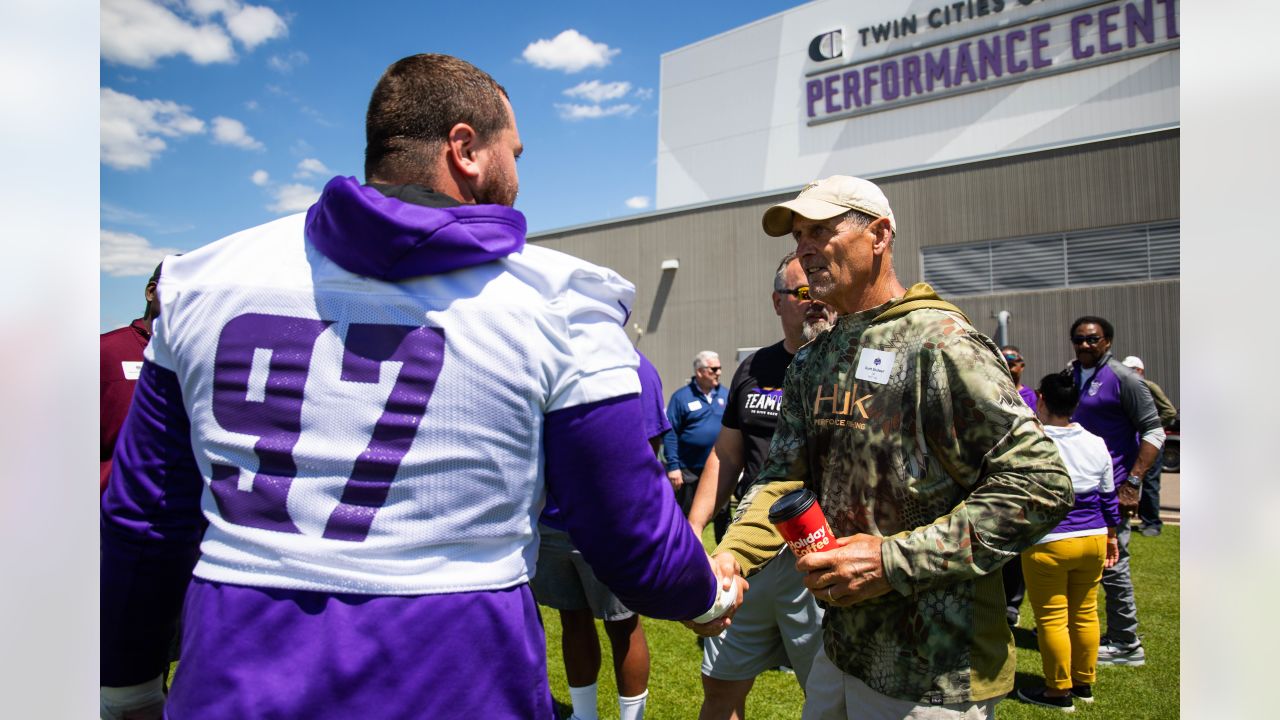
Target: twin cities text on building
(1071, 40)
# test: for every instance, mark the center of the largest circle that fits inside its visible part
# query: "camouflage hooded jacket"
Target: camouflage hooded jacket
(905, 422)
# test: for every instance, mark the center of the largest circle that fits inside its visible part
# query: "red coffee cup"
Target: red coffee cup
(801, 523)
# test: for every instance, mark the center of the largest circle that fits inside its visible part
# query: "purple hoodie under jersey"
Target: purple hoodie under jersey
(252, 652)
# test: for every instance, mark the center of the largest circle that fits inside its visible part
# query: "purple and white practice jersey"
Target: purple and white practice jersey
(368, 405)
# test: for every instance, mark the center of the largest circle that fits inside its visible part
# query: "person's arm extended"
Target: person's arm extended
(150, 533)
(619, 512)
(719, 476)
(990, 443)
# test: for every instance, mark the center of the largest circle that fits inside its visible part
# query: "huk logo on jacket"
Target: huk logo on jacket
(843, 408)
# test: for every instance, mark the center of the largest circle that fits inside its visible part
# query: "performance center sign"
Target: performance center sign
(964, 47)
(891, 87)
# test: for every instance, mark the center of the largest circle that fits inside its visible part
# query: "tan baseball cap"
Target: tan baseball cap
(827, 198)
(1133, 361)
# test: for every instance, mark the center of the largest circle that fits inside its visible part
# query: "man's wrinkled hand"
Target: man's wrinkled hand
(849, 574)
(1128, 497)
(726, 569)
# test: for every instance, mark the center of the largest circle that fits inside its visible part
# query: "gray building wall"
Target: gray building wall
(719, 298)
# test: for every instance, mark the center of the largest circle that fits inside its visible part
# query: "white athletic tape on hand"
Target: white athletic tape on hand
(114, 702)
(724, 600)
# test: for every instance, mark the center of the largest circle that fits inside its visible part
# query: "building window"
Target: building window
(1102, 256)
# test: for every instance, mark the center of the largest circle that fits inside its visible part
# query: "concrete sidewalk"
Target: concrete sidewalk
(1170, 497)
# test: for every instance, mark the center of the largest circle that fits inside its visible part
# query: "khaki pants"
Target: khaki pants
(832, 695)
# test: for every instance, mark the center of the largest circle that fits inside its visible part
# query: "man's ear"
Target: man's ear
(883, 232)
(150, 292)
(777, 302)
(462, 146)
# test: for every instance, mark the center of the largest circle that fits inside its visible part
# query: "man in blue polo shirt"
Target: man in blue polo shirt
(1117, 406)
(695, 411)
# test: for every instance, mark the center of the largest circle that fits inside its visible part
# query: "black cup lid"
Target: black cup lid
(791, 505)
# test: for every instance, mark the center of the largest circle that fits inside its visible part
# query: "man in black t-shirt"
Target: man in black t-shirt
(779, 622)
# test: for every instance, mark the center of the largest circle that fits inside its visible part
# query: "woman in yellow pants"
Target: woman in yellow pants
(1062, 572)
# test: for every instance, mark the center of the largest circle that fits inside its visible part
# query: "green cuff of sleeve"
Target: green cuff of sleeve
(751, 538)
(896, 569)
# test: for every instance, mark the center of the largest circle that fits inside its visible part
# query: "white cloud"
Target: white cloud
(644, 93)
(309, 167)
(573, 111)
(293, 198)
(570, 51)
(251, 104)
(260, 177)
(286, 63)
(209, 8)
(140, 32)
(639, 202)
(598, 92)
(125, 254)
(227, 131)
(253, 25)
(131, 128)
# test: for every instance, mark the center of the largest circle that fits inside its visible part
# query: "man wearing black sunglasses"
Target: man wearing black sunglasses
(695, 411)
(779, 622)
(1117, 406)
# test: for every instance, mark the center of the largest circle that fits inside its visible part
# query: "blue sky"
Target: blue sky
(218, 115)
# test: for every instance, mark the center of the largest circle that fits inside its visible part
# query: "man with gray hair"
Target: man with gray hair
(904, 422)
(694, 411)
(779, 622)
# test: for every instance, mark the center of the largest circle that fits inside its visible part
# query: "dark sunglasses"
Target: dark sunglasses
(1013, 358)
(715, 368)
(801, 292)
(1086, 339)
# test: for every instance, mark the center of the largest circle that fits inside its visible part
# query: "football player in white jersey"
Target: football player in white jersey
(345, 429)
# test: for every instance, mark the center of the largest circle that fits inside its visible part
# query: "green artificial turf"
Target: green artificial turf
(1151, 691)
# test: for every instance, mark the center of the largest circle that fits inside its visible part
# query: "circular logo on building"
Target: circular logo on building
(827, 46)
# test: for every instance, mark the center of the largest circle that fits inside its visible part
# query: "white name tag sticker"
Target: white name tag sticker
(874, 366)
(132, 369)
(695, 404)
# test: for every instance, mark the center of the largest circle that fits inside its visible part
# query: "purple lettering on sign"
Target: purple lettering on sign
(937, 69)
(270, 411)
(964, 64)
(1106, 26)
(1039, 42)
(989, 57)
(1170, 21)
(259, 387)
(1078, 50)
(1013, 63)
(851, 94)
(1140, 21)
(890, 81)
(829, 87)
(813, 92)
(868, 82)
(420, 350)
(911, 75)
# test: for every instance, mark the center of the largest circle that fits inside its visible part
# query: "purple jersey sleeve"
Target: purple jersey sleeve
(619, 510)
(655, 417)
(150, 532)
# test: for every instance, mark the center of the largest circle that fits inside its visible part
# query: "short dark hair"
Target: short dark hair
(1108, 331)
(779, 275)
(1059, 393)
(416, 103)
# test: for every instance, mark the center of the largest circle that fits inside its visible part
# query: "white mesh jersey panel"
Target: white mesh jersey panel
(532, 333)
